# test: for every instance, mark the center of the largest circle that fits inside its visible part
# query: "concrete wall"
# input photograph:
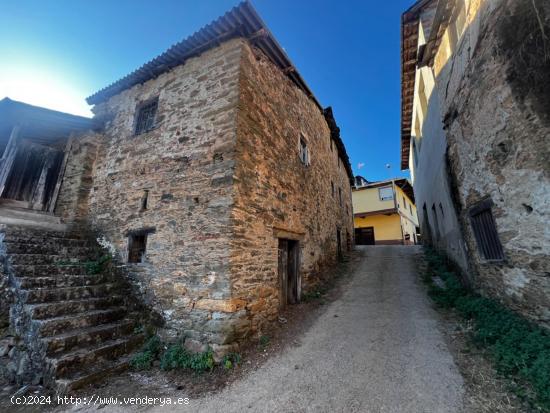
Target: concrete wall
(277, 196)
(368, 200)
(490, 109)
(386, 227)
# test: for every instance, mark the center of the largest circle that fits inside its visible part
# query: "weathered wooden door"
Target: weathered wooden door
(289, 272)
(339, 245)
(33, 175)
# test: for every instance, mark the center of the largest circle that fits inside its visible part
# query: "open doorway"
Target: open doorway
(289, 272)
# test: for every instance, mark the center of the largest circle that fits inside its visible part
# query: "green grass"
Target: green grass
(518, 348)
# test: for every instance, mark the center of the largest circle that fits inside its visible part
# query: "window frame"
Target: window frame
(482, 228)
(380, 193)
(145, 105)
(303, 150)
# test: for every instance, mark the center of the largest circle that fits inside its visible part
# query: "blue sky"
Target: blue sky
(55, 53)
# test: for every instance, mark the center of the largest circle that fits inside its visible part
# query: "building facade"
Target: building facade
(475, 136)
(217, 180)
(384, 212)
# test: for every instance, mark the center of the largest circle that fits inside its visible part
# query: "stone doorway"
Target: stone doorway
(289, 272)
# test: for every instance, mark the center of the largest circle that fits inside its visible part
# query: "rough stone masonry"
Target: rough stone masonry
(223, 181)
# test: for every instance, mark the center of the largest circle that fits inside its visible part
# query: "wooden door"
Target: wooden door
(289, 272)
(283, 273)
(364, 236)
(339, 245)
(33, 175)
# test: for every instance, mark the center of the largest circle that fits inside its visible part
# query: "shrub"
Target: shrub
(148, 354)
(177, 357)
(230, 360)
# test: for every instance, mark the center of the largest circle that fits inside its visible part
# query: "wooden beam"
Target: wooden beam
(52, 202)
(8, 157)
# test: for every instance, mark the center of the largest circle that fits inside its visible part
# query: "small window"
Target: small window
(404, 202)
(485, 231)
(332, 187)
(411, 208)
(385, 193)
(441, 209)
(144, 200)
(146, 115)
(304, 153)
(136, 248)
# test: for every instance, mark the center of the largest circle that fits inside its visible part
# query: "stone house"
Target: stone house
(475, 127)
(219, 182)
(384, 212)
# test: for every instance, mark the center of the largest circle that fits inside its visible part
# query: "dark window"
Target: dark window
(144, 200)
(415, 153)
(411, 208)
(436, 222)
(136, 247)
(332, 187)
(441, 209)
(485, 231)
(304, 154)
(146, 114)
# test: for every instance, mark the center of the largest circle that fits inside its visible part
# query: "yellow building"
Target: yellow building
(384, 212)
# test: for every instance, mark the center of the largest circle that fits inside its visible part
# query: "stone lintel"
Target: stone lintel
(226, 306)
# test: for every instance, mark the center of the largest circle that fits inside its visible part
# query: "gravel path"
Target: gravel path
(376, 349)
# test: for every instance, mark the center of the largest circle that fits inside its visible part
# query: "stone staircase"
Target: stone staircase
(71, 327)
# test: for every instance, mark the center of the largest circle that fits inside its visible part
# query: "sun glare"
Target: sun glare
(41, 88)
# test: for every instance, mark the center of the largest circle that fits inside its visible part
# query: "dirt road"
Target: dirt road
(376, 349)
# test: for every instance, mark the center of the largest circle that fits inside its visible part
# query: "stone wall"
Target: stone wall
(72, 202)
(186, 166)
(223, 181)
(276, 195)
(493, 103)
(503, 151)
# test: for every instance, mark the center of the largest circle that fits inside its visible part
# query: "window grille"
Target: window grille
(146, 117)
(485, 231)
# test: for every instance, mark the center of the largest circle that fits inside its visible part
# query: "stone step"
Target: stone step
(13, 231)
(63, 308)
(59, 325)
(77, 361)
(29, 283)
(47, 270)
(46, 295)
(92, 374)
(32, 220)
(43, 259)
(47, 241)
(51, 248)
(83, 337)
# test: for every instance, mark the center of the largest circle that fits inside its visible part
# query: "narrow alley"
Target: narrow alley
(376, 349)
